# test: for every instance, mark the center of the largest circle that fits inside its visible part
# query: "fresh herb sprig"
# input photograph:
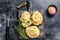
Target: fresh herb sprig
(21, 30)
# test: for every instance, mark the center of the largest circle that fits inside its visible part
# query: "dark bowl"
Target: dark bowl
(52, 6)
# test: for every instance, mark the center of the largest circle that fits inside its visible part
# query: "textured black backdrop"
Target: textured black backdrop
(8, 9)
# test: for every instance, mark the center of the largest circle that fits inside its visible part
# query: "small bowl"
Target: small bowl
(52, 9)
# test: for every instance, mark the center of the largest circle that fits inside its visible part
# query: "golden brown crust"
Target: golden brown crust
(25, 16)
(32, 31)
(26, 24)
(37, 18)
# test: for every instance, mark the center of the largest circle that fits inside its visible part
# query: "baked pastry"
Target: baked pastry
(25, 16)
(37, 18)
(26, 24)
(32, 31)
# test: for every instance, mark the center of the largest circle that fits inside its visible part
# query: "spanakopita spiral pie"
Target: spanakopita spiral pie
(32, 31)
(37, 18)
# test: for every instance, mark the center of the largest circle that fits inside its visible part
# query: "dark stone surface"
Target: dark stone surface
(8, 9)
(52, 24)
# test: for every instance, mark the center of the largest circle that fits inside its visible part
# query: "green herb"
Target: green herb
(28, 21)
(20, 30)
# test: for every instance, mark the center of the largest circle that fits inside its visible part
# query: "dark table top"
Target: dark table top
(51, 24)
